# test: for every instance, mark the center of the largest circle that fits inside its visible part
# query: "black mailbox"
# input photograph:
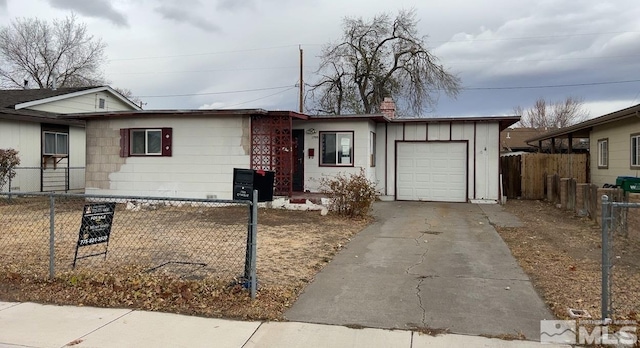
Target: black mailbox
(247, 180)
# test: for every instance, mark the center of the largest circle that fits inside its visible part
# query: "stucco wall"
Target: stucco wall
(313, 172)
(205, 151)
(619, 138)
(83, 103)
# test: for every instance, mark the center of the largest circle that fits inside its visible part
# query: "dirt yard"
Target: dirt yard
(562, 254)
(292, 247)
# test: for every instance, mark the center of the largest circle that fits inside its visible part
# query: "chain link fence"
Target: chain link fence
(617, 219)
(45, 234)
(46, 179)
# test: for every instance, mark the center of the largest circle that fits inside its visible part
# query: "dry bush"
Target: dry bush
(8, 161)
(351, 195)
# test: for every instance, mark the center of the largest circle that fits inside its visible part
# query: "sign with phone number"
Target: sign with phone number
(96, 223)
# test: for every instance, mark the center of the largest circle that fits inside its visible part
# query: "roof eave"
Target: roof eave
(582, 129)
(164, 113)
(76, 94)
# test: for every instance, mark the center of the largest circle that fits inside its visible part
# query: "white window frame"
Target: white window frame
(102, 103)
(146, 142)
(56, 151)
(603, 153)
(635, 156)
(339, 161)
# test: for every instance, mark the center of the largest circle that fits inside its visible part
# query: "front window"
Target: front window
(635, 151)
(146, 142)
(603, 153)
(337, 148)
(56, 144)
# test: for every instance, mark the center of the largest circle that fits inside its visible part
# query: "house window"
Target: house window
(372, 149)
(635, 151)
(101, 103)
(56, 144)
(145, 142)
(337, 148)
(603, 153)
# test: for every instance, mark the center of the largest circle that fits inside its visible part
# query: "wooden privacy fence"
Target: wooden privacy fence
(525, 175)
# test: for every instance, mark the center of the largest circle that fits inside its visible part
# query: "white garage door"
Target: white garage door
(431, 171)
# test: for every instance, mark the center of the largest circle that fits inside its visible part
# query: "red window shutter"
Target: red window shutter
(124, 142)
(167, 135)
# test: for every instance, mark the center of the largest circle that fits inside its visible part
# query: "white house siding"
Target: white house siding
(205, 151)
(84, 103)
(24, 137)
(619, 138)
(77, 157)
(313, 172)
(483, 152)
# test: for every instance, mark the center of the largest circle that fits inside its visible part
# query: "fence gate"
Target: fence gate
(614, 228)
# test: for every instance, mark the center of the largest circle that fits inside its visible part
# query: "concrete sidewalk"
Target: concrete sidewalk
(35, 325)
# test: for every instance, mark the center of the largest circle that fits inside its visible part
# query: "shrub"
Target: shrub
(351, 195)
(8, 161)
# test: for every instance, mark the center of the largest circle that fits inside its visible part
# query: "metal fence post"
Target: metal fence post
(52, 219)
(254, 244)
(66, 179)
(605, 257)
(9, 189)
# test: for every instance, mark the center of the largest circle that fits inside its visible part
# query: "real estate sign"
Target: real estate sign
(96, 223)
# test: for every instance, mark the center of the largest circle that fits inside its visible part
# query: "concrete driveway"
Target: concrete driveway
(436, 265)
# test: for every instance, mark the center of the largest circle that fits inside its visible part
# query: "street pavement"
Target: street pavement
(434, 265)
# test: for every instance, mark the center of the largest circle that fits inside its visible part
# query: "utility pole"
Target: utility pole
(301, 83)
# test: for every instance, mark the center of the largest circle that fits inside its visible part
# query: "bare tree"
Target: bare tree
(545, 115)
(377, 58)
(35, 50)
(127, 93)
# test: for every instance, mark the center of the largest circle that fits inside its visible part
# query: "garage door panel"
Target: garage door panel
(431, 171)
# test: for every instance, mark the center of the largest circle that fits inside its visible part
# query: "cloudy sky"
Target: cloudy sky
(192, 54)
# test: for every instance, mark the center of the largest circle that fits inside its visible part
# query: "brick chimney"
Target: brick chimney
(388, 107)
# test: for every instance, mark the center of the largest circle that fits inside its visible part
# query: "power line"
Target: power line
(203, 54)
(551, 86)
(213, 93)
(316, 44)
(538, 37)
(546, 59)
(463, 88)
(265, 97)
(201, 71)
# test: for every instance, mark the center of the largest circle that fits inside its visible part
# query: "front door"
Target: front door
(298, 159)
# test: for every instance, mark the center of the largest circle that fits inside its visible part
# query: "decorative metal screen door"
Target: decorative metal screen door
(271, 149)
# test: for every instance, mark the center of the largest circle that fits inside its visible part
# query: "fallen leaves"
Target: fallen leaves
(292, 248)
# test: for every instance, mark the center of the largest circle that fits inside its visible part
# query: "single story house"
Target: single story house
(51, 149)
(192, 153)
(614, 141)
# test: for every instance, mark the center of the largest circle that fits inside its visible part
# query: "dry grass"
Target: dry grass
(562, 255)
(292, 247)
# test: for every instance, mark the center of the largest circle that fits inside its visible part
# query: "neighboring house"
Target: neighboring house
(192, 153)
(614, 143)
(51, 149)
(514, 140)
